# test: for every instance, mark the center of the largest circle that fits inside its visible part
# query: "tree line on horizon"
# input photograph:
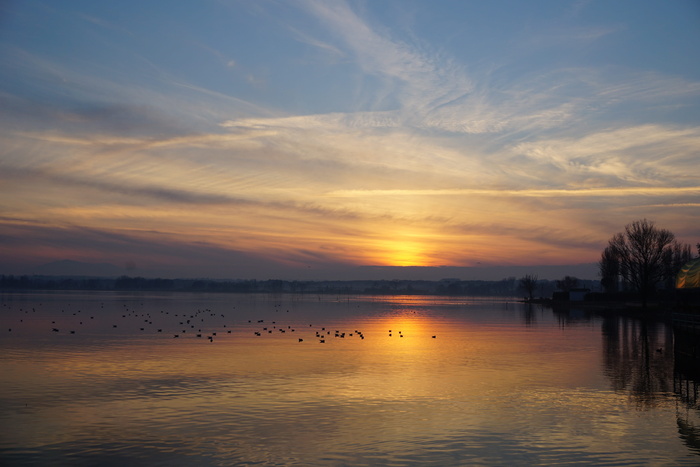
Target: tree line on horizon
(504, 287)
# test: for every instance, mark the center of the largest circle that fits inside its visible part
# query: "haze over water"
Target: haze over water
(397, 381)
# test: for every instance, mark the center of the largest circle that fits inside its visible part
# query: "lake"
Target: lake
(227, 379)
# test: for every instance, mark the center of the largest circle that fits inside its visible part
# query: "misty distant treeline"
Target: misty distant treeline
(504, 287)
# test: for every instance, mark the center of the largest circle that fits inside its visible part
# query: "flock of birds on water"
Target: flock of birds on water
(202, 324)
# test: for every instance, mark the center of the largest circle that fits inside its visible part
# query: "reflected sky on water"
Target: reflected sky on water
(396, 381)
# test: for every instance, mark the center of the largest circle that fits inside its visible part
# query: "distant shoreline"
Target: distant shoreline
(505, 287)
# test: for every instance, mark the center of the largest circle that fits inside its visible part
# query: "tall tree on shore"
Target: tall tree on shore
(641, 252)
(529, 283)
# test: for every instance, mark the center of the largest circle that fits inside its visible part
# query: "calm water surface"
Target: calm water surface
(101, 379)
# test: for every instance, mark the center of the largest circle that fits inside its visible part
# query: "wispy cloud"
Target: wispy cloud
(305, 38)
(653, 155)
(558, 36)
(535, 193)
(423, 81)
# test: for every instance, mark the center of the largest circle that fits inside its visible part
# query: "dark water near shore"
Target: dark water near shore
(397, 381)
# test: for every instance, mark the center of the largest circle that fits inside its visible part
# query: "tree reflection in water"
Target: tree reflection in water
(638, 358)
(646, 359)
(528, 314)
(686, 385)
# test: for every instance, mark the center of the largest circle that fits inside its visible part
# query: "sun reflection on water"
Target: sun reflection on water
(469, 382)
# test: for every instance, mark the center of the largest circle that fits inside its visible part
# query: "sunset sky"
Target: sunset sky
(304, 139)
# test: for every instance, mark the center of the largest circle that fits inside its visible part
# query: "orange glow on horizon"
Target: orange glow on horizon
(404, 253)
(406, 249)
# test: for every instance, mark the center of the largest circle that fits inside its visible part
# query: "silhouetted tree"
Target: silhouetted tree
(529, 283)
(609, 266)
(641, 251)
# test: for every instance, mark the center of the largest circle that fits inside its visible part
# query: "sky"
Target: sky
(314, 139)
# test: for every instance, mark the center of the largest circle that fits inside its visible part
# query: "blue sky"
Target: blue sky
(307, 138)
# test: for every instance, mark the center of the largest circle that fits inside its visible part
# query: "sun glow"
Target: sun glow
(404, 252)
(407, 254)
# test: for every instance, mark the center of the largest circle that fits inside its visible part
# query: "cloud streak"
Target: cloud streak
(535, 193)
